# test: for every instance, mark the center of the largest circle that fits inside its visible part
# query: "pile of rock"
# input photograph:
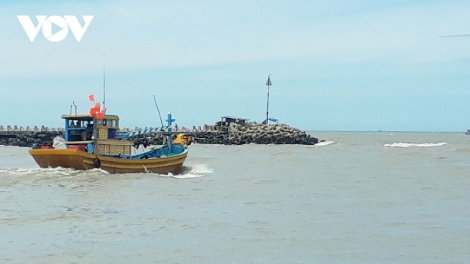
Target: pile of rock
(28, 139)
(147, 140)
(268, 134)
(200, 137)
(236, 134)
(210, 137)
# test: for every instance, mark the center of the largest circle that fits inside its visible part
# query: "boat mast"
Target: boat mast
(104, 82)
(268, 83)
(170, 121)
(158, 110)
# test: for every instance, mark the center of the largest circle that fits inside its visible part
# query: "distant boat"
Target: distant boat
(468, 132)
(94, 141)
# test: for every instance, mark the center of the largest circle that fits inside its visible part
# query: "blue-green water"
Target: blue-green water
(356, 198)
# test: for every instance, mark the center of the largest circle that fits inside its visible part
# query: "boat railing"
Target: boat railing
(16, 128)
(127, 135)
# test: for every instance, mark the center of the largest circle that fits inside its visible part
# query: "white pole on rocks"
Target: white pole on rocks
(268, 83)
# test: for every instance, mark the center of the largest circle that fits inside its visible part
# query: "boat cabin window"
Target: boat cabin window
(107, 123)
(74, 123)
(80, 123)
(87, 123)
(112, 123)
(79, 130)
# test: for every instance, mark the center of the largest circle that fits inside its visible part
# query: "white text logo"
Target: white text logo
(64, 23)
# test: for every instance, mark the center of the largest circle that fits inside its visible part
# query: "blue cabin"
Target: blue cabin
(83, 132)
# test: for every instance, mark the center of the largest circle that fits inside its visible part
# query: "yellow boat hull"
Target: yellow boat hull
(81, 160)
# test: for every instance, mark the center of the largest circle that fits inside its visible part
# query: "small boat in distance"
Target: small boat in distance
(95, 141)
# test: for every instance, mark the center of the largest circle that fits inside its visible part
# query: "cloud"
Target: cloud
(145, 34)
(455, 36)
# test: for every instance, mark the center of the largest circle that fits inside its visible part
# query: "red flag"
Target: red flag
(100, 115)
(91, 98)
(95, 109)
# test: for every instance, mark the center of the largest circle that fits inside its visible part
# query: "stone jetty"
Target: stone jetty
(255, 133)
(235, 134)
(28, 139)
(230, 134)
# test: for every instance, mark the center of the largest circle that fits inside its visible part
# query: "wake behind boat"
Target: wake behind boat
(95, 141)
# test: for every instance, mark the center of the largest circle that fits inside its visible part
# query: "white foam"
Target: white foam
(325, 143)
(415, 145)
(195, 171)
(201, 169)
(21, 171)
(186, 176)
(50, 172)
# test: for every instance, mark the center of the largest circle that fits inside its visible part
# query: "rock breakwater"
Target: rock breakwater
(268, 134)
(234, 134)
(28, 138)
(253, 133)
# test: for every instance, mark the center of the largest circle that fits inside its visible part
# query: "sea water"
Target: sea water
(357, 197)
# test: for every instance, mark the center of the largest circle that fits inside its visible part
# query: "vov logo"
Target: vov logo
(45, 23)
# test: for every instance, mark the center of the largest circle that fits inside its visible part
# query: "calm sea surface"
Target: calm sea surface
(356, 198)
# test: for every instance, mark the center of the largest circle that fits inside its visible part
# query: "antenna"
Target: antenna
(104, 82)
(73, 105)
(158, 110)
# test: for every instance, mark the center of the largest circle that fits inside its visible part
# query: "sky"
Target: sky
(338, 65)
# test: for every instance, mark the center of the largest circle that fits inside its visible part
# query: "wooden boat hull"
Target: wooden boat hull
(81, 160)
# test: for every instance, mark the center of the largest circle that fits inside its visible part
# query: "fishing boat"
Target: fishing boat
(94, 141)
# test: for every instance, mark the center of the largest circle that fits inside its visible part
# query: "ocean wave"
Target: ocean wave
(415, 145)
(18, 175)
(325, 143)
(50, 173)
(37, 171)
(34, 176)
